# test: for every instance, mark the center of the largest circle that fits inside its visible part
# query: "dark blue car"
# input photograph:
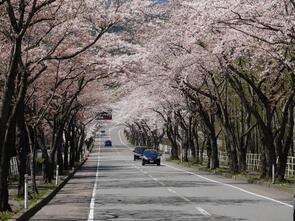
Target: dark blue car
(138, 152)
(151, 157)
(108, 143)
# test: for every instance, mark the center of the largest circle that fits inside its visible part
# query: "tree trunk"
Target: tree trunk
(60, 162)
(205, 141)
(32, 143)
(22, 152)
(56, 146)
(284, 146)
(46, 165)
(4, 206)
(196, 145)
(172, 136)
(66, 154)
(6, 122)
(214, 161)
(270, 156)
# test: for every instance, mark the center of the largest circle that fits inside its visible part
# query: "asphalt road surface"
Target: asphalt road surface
(111, 186)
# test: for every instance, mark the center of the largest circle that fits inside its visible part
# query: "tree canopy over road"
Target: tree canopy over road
(214, 75)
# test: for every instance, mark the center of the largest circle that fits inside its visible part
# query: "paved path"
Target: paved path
(111, 186)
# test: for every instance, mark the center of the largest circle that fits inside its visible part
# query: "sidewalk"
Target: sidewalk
(73, 200)
(45, 191)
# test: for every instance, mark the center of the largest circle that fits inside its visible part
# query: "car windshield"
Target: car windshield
(150, 153)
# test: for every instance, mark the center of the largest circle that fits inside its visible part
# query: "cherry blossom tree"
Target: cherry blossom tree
(37, 34)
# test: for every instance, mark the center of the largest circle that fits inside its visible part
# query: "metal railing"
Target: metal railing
(253, 160)
(13, 170)
(290, 166)
(223, 158)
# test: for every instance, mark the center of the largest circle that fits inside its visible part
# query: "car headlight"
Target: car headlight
(144, 157)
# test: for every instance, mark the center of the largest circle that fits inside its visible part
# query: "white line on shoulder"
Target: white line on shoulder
(92, 203)
(234, 187)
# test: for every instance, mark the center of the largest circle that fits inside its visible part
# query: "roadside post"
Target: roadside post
(26, 190)
(273, 173)
(56, 176)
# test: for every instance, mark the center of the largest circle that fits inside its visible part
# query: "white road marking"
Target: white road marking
(204, 212)
(234, 187)
(179, 195)
(201, 210)
(92, 203)
(171, 190)
(184, 198)
(155, 179)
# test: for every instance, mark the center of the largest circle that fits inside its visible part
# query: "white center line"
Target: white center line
(92, 203)
(201, 210)
(161, 183)
(143, 171)
(184, 198)
(171, 190)
(179, 195)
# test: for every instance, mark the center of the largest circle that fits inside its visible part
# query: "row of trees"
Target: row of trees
(225, 81)
(50, 67)
(214, 75)
(141, 134)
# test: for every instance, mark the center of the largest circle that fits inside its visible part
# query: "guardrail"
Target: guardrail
(252, 159)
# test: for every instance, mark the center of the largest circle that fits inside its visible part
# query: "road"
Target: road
(111, 186)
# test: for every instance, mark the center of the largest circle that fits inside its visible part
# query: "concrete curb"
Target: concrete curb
(26, 214)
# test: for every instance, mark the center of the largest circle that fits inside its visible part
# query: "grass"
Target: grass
(6, 215)
(251, 177)
(43, 189)
(288, 184)
(37, 196)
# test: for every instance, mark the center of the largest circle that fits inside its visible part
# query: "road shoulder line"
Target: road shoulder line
(232, 186)
(92, 203)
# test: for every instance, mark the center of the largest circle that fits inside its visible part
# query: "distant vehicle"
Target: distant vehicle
(151, 157)
(101, 133)
(138, 152)
(108, 143)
